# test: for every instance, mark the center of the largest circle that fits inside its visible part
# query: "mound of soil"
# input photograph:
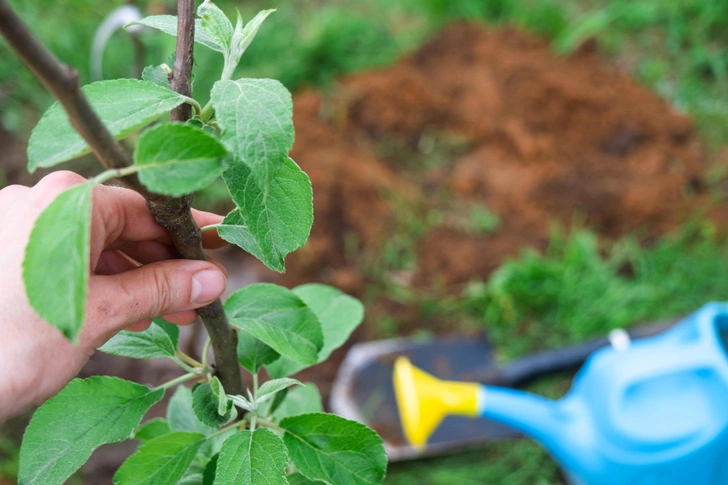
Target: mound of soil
(490, 118)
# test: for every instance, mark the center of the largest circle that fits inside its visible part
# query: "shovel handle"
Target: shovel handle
(527, 369)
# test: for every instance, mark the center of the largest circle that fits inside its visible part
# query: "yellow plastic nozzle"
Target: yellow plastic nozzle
(424, 400)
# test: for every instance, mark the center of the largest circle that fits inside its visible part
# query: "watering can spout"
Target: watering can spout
(424, 401)
(542, 419)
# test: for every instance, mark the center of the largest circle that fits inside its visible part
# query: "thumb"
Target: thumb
(152, 290)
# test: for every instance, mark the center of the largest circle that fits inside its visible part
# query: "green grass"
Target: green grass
(581, 288)
(677, 47)
(507, 462)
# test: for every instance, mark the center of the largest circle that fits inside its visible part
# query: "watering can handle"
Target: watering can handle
(526, 369)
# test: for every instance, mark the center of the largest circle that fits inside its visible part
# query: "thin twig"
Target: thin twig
(172, 213)
(62, 82)
(179, 380)
(181, 80)
(189, 360)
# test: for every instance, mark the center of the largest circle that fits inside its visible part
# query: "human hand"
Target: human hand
(134, 278)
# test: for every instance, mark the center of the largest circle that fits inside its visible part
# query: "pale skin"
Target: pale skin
(134, 278)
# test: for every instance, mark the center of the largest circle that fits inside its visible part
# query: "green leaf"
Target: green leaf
(156, 75)
(270, 388)
(256, 117)
(257, 458)
(275, 402)
(303, 399)
(195, 473)
(254, 354)
(269, 227)
(196, 122)
(277, 317)
(124, 105)
(339, 315)
(171, 329)
(177, 159)
(159, 340)
(219, 392)
(205, 406)
(168, 25)
(243, 402)
(335, 450)
(161, 461)
(56, 264)
(242, 37)
(181, 416)
(208, 476)
(298, 479)
(83, 416)
(154, 428)
(216, 24)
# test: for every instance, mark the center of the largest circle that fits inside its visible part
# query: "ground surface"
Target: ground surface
(490, 119)
(481, 140)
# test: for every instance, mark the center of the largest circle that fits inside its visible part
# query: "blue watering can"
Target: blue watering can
(648, 412)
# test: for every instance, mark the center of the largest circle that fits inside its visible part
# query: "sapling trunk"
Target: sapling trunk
(174, 214)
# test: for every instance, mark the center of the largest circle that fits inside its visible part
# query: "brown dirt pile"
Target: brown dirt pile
(545, 138)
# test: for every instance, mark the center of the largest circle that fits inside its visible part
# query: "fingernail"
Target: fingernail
(207, 285)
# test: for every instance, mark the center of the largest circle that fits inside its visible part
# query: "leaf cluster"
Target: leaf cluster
(275, 434)
(200, 441)
(243, 135)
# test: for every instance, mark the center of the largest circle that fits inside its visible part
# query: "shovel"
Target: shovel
(363, 389)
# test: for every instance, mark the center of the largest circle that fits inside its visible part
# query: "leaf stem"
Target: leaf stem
(222, 431)
(189, 360)
(178, 380)
(233, 426)
(114, 173)
(254, 417)
(228, 68)
(184, 366)
(206, 352)
(270, 424)
(193, 102)
(210, 227)
(207, 112)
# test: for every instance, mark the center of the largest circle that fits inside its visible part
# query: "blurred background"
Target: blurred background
(541, 171)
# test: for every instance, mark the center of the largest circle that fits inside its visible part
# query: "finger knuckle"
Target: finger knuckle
(12, 192)
(13, 189)
(62, 179)
(162, 287)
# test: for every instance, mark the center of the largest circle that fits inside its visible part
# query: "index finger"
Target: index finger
(210, 238)
(123, 215)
